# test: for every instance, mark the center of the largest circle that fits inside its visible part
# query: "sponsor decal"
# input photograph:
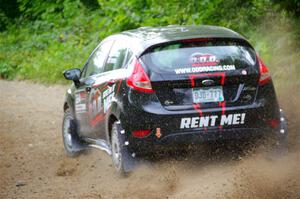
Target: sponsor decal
(201, 59)
(96, 104)
(77, 98)
(108, 95)
(80, 100)
(244, 72)
(201, 69)
(80, 108)
(80, 97)
(213, 120)
(201, 62)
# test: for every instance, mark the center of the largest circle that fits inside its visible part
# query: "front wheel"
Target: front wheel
(71, 140)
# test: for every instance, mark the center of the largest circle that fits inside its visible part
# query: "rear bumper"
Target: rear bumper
(178, 140)
(183, 127)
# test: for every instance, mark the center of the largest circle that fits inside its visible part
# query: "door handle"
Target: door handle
(111, 82)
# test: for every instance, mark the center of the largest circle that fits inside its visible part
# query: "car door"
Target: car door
(107, 85)
(88, 100)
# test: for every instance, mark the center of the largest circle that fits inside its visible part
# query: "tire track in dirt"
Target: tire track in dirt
(32, 155)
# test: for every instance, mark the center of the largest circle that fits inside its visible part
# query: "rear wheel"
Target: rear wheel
(122, 159)
(71, 140)
(117, 150)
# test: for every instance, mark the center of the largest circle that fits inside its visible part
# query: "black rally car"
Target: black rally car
(153, 88)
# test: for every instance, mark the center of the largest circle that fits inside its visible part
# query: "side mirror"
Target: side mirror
(72, 74)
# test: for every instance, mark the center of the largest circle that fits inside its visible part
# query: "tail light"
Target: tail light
(265, 75)
(139, 80)
(141, 133)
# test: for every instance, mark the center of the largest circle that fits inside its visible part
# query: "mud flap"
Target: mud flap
(281, 147)
(130, 162)
(79, 145)
(282, 137)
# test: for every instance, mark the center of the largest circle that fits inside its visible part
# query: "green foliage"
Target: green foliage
(292, 6)
(3, 21)
(46, 37)
(90, 4)
(9, 8)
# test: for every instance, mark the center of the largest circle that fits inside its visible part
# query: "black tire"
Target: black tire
(72, 143)
(122, 159)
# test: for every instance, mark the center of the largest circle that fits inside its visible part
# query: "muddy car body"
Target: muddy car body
(153, 88)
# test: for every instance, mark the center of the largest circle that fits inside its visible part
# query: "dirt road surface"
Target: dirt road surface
(33, 163)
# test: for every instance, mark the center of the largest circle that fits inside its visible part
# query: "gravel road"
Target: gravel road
(33, 163)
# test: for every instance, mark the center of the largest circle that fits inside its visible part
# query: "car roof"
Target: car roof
(145, 37)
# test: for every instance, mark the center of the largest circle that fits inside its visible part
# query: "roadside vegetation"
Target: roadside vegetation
(39, 39)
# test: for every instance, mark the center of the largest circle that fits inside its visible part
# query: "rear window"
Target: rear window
(194, 57)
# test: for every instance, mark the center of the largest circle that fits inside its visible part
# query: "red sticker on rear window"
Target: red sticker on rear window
(201, 59)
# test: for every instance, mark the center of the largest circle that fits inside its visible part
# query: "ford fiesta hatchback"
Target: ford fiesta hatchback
(150, 89)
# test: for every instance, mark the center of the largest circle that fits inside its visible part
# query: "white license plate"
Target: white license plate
(211, 94)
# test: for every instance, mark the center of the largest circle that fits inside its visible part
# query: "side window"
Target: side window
(95, 64)
(117, 56)
(128, 57)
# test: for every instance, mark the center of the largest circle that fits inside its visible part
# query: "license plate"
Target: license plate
(211, 94)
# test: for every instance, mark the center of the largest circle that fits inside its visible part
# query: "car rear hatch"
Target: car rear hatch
(207, 72)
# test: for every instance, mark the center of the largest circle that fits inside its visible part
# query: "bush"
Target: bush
(51, 36)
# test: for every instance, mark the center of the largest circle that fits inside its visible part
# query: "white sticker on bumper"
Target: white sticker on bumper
(213, 120)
